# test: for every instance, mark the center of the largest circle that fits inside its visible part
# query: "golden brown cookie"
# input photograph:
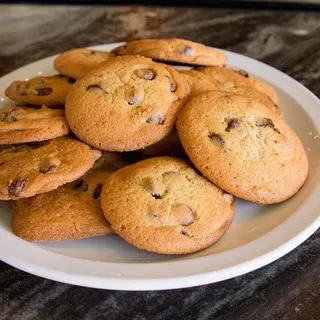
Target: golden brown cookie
(253, 93)
(128, 103)
(76, 63)
(229, 79)
(199, 82)
(24, 124)
(243, 147)
(174, 50)
(49, 91)
(70, 212)
(162, 205)
(29, 169)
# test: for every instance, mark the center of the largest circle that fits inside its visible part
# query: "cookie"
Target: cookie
(49, 91)
(76, 63)
(174, 50)
(199, 82)
(70, 212)
(243, 147)
(252, 93)
(128, 103)
(29, 169)
(162, 205)
(169, 146)
(230, 79)
(24, 124)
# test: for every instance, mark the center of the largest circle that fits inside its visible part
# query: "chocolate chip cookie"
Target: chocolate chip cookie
(76, 63)
(162, 205)
(70, 212)
(229, 79)
(243, 147)
(174, 50)
(26, 170)
(128, 103)
(49, 91)
(21, 124)
(199, 82)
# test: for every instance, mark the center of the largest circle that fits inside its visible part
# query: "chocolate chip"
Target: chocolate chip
(276, 130)
(183, 214)
(49, 165)
(43, 91)
(217, 138)
(8, 116)
(97, 191)
(185, 233)
(15, 187)
(187, 51)
(93, 87)
(173, 86)
(155, 119)
(145, 73)
(92, 52)
(156, 195)
(134, 100)
(71, 80)
(23, 91)
(243, 73)
(232, 123)
(80, 186)
(266, 122)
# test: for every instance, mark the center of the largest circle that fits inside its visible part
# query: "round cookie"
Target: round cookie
(199, 82)
(253, 93)
(76, 63)
(49, 91)
(24, 124)
(243, 147)
(174, 50)
(72, 211)
(29, 169)
(128, 103)
(229, 79)
(162, 205)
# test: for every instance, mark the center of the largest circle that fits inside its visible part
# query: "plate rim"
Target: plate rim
(50, 266)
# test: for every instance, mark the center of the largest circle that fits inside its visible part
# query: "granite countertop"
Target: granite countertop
(290, 41)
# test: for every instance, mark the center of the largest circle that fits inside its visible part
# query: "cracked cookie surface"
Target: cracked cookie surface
(29, 169)
(49, 91)
(72, 211)
(21, 124)
(76, 63)
(243, 147)
(163, 205)
(127, 104)
(174, 50)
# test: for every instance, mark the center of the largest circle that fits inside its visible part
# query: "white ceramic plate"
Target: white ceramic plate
(258, 236)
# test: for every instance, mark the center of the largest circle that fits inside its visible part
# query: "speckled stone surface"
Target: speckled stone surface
(290, 41)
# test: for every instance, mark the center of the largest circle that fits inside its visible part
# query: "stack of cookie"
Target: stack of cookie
(121, 142)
